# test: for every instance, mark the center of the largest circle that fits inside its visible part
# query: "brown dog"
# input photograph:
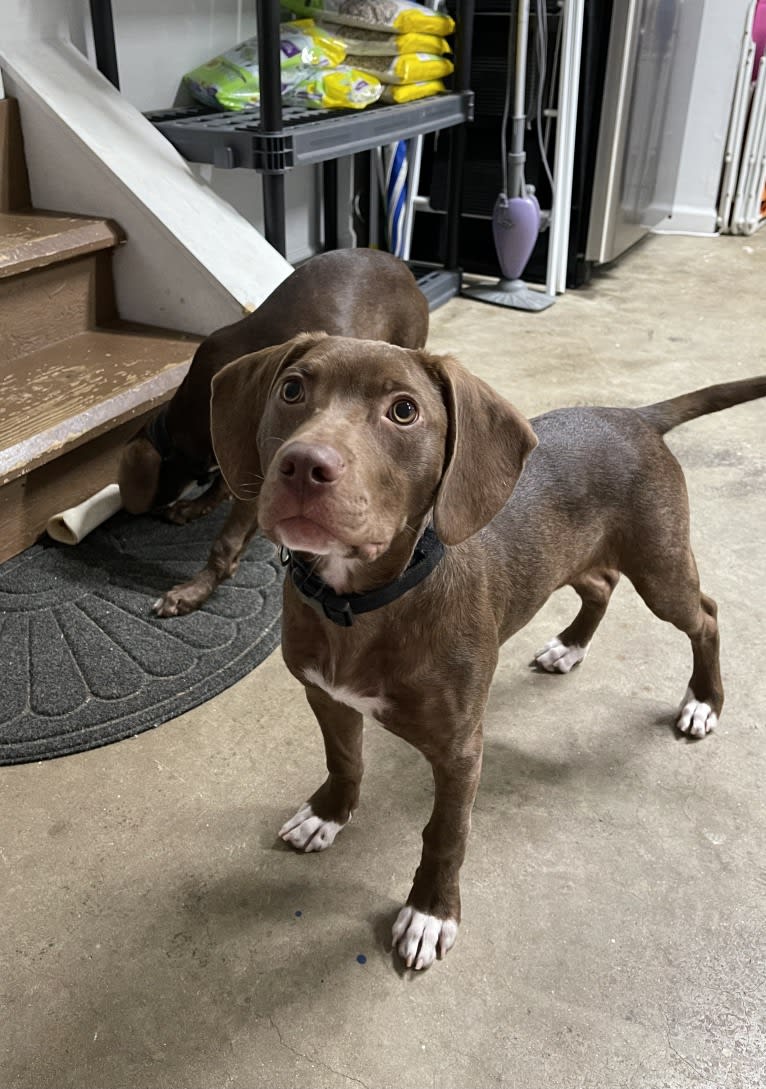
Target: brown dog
(361, 447)
(360, 292)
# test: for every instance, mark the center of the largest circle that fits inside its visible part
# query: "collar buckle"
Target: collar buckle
(338, 611)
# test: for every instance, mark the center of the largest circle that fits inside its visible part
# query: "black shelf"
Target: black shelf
(273, 138)
(231, 140)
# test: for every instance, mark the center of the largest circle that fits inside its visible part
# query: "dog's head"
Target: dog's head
(351, 443)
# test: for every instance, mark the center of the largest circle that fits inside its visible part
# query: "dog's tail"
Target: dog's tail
(666, 415)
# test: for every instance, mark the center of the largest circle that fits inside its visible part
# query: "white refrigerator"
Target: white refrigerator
(650, 64)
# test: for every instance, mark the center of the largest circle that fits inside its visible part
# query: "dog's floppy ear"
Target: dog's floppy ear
(488, 441)
(239, 394)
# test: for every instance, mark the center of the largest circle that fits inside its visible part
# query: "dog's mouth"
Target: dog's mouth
(302, 534)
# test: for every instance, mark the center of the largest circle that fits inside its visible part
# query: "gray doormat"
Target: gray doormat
(84, 661)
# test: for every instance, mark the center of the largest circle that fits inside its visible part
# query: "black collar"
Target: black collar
(342, 608)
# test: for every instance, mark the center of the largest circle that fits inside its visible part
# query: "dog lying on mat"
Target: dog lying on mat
(423, 521)
(359, 292)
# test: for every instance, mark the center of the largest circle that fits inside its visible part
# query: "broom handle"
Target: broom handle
(517, 156)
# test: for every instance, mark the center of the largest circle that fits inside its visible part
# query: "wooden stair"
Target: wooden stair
(75, 381)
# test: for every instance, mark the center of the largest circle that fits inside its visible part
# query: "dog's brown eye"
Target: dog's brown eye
(403, 412)
(292, 391)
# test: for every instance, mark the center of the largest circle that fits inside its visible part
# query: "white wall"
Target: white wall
(155, 48)
(157, 41)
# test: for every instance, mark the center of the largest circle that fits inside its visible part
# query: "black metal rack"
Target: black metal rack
(306, 136)
(273, 139)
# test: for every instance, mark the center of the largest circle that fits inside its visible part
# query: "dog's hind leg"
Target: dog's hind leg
(187, 510)
(671, 589)
(565, 650)
(658, 560)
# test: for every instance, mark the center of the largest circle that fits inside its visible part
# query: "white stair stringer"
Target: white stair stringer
(192, 262)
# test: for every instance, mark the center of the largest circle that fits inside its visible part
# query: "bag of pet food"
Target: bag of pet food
(411, 92)
(341, 88)
(406, 68)
(378, 43)
(231, 81)
(400, 16)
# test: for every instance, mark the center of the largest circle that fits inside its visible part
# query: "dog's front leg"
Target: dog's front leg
(223, 561)
(427, 924)
(317, 823)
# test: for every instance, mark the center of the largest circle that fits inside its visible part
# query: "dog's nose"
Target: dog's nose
(311, 463)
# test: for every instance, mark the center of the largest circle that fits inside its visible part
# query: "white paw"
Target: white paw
(557, 657)
(418, 938)
(308, 832)
(696, 718)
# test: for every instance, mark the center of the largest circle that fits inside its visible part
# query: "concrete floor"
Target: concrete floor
(156, 934)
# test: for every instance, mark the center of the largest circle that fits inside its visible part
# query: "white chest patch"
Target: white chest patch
(337, 571)
(372, 706)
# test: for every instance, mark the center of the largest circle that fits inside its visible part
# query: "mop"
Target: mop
(516, 217)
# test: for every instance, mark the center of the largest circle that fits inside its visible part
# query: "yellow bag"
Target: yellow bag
(402, 16)
(334, 89)
(407, 68)
(411, 92)
(377, 43)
